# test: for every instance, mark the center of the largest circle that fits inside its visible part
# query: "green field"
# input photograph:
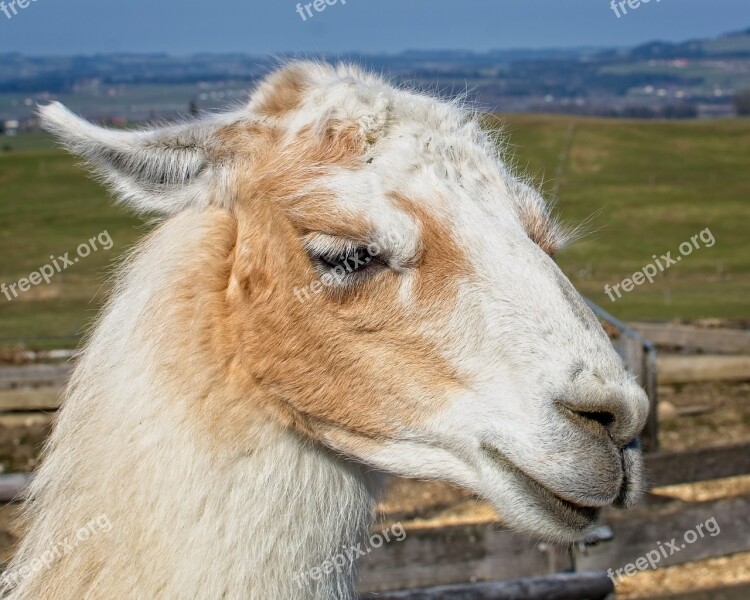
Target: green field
(645, 187)
(648, 187)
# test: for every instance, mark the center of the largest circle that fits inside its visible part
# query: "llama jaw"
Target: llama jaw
(567, 519)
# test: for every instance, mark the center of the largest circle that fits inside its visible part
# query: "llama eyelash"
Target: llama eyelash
(329, 247)
(345, 260)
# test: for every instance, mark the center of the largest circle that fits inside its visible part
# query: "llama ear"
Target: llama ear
(161, 170)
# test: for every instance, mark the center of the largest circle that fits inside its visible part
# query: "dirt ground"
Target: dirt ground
(712, 414)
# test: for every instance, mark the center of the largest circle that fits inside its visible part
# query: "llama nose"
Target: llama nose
(619, 411)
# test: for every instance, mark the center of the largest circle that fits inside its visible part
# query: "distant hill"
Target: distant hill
(731, 45)
(658, 79)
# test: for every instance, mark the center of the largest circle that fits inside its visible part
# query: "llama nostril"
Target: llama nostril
(599, 416)
(596, 419)
(615, 410)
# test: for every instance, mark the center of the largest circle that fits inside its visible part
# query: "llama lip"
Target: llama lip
(633, 478)
(561, 509)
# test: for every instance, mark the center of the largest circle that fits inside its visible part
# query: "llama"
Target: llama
(233, 433)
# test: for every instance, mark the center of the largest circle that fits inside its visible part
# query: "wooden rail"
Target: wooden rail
(663, 468)
(693, 369)
(695, 338)
(702, 464)
(563, 586)
(34, 375)
(637, 533)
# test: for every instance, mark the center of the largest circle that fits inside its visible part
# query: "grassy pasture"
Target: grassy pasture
(649, 186)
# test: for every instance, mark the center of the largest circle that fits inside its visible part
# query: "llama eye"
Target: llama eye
(346, 263)
(351, 261)
(341, 262)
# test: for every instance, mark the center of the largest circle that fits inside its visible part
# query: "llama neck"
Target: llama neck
(184, 523)
(187, 517)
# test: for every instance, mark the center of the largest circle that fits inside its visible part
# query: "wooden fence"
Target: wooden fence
(495, 558)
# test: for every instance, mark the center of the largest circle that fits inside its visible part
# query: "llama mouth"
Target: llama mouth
(564, 512)
(633, 479)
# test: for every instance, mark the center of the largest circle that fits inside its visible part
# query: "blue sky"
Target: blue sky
(267, 26)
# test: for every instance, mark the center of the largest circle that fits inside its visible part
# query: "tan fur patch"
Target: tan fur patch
(285, 172)
(282, 92)
(358, 360)
(443, 264)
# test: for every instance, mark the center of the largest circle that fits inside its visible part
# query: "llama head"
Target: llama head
(384, 285)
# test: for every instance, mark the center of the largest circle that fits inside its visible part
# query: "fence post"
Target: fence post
(639, 358)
